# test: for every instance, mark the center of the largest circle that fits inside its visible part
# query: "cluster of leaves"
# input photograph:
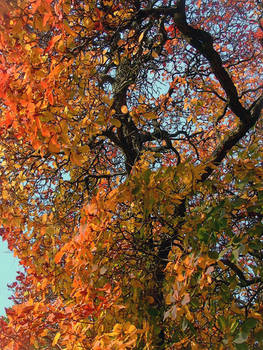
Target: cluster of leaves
(131, 173)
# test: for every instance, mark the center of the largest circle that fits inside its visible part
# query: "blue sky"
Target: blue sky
(8, 267)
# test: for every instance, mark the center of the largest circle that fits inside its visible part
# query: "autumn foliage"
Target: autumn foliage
(131, 173)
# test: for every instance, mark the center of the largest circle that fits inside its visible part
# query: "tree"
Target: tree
(131, 173)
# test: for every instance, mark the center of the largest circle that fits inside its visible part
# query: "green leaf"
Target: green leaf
(237, 203)
(233, 326)
(241, 338)
(213, 255)
(259, 335)
(249, 324)
(222, 322)
(203, 235)
(153, 312)
(184, 324)
(147, 176)
(243, 346)
(235, 253)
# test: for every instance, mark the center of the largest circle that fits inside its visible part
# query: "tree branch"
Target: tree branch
(202, 41)
(243, 281)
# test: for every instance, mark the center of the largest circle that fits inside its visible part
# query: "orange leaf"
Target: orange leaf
(54, 146)
(50, 98)
(53, 42)
(44, 218)
(59, 256)
(155, 54)
(124, 109)
(180, 278)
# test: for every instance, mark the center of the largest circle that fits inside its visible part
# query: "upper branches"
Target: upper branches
(151, 20)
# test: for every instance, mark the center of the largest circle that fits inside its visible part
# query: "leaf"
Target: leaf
(5, 194)
(116, 329)
(54, 146)
(186, 299)
(56, 338)
(213, 255)
(242, 346)
(103, 269)
(259, 334)
(141, 37)
(116, 122)
(52, 42)
(241, 338)
(76, 158)
(150, 299)
(44, 218)
(249, 324)
(59, 256)
(131, 329)
(180, 277)
(4, 8)
(194, 346)
(124, 109)
(155, 54)
(184, 324)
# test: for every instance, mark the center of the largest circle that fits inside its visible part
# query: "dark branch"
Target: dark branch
(243, 281)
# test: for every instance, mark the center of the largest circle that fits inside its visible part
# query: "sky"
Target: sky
(8, 267)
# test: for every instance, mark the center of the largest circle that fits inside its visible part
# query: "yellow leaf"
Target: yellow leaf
(116, 122)
(56, 338)
(116, 330)
(116, 61)
(108, 3)
(141, 37)
(150, 115)
(256, 315)
(84, 149)
(69, 30)
(131, 329)
(131, 33)
(4, 194)
(194, 346)
(88, 23)
(76, 158)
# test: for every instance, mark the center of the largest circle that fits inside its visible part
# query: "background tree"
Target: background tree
(131, 173)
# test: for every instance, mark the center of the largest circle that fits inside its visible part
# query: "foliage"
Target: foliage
(131, 173)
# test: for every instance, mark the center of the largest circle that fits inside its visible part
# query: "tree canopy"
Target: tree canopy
(131, 173)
